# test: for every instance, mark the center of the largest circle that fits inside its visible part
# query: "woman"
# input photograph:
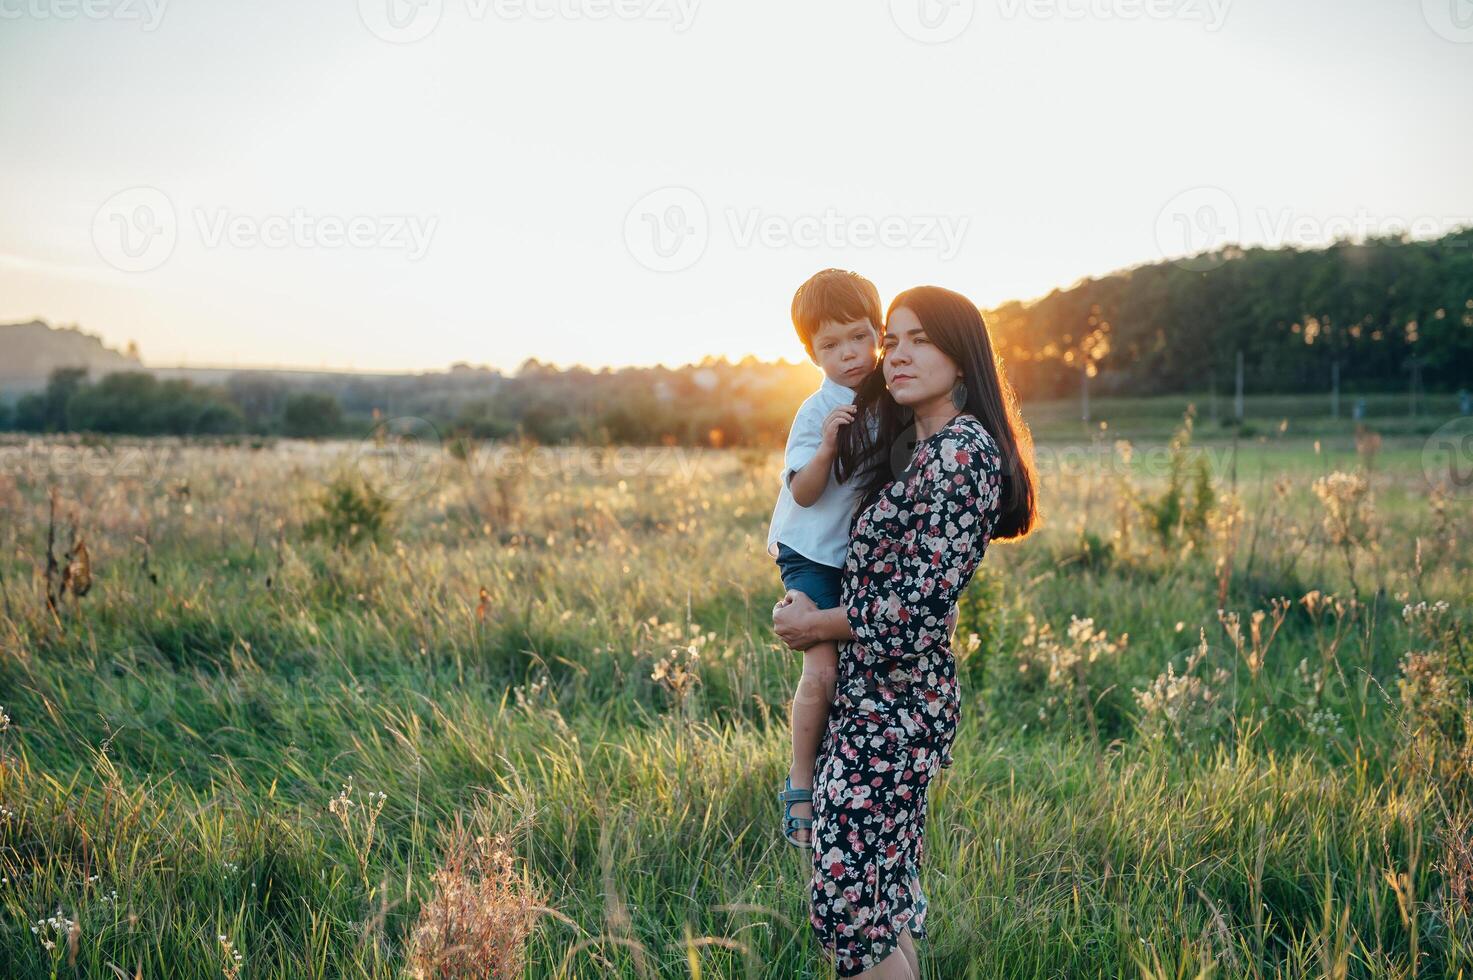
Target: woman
(924, 519)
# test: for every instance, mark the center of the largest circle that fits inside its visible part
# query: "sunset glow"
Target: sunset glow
(539, 181)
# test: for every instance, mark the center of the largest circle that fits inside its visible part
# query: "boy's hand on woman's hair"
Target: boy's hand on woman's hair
(840, 416)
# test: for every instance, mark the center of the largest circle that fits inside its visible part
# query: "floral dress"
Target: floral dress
(911, 553)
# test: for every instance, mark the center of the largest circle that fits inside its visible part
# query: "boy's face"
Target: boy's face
(847, 352)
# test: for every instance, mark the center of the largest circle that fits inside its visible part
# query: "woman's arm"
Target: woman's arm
(800, 624)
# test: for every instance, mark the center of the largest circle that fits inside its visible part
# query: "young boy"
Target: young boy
(838, 319)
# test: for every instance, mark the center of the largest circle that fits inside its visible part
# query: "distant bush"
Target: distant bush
(350, 512)
(311, 415)
(126, 403)
(1091, 553)
(1181, 508)
(137, 403)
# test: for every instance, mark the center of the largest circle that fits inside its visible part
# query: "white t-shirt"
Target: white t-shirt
(819, 532)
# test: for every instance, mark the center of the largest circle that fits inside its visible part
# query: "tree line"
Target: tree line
(1376, 316)
(1380, 313)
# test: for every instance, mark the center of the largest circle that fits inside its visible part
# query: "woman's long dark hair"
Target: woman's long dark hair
(955, 325)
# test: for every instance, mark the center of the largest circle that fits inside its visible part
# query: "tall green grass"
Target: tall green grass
(1135, 791)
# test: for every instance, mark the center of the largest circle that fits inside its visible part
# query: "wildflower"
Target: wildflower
(1064, 663)
(233, 959)
(1324, 723)
(1177, 705)
(1258, 641)
(1427, 689)
(1343, 496)
(56, 925)
(1349, 518)
(676, 672)
(359, 820)
(1425, 618)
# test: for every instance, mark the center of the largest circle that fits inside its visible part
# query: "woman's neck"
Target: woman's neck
(932, 417)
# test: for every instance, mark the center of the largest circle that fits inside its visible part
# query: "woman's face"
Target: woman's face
(916, 371)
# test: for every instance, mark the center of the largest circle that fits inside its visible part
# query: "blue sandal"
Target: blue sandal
(791, 824)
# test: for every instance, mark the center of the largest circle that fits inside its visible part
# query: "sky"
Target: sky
(403, 184)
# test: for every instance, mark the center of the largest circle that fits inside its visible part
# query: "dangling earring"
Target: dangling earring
(959, 394)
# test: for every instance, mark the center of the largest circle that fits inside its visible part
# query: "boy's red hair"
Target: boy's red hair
(838, 295)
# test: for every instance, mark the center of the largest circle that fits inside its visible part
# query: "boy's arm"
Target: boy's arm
(806, 482)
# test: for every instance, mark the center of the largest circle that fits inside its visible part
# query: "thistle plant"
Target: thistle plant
(676, 672)
(1065, 664)
(1349, 518)
(1177, 707)
(1255, 650)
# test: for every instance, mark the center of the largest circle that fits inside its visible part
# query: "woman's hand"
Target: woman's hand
(792, 620)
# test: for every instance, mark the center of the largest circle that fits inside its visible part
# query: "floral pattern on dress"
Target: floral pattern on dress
(911, 553)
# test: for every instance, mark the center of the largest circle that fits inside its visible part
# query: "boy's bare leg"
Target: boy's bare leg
(810, 715)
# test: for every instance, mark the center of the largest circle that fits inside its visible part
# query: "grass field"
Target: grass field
(526, 711)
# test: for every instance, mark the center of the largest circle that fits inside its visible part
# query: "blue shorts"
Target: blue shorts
(821, 582)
